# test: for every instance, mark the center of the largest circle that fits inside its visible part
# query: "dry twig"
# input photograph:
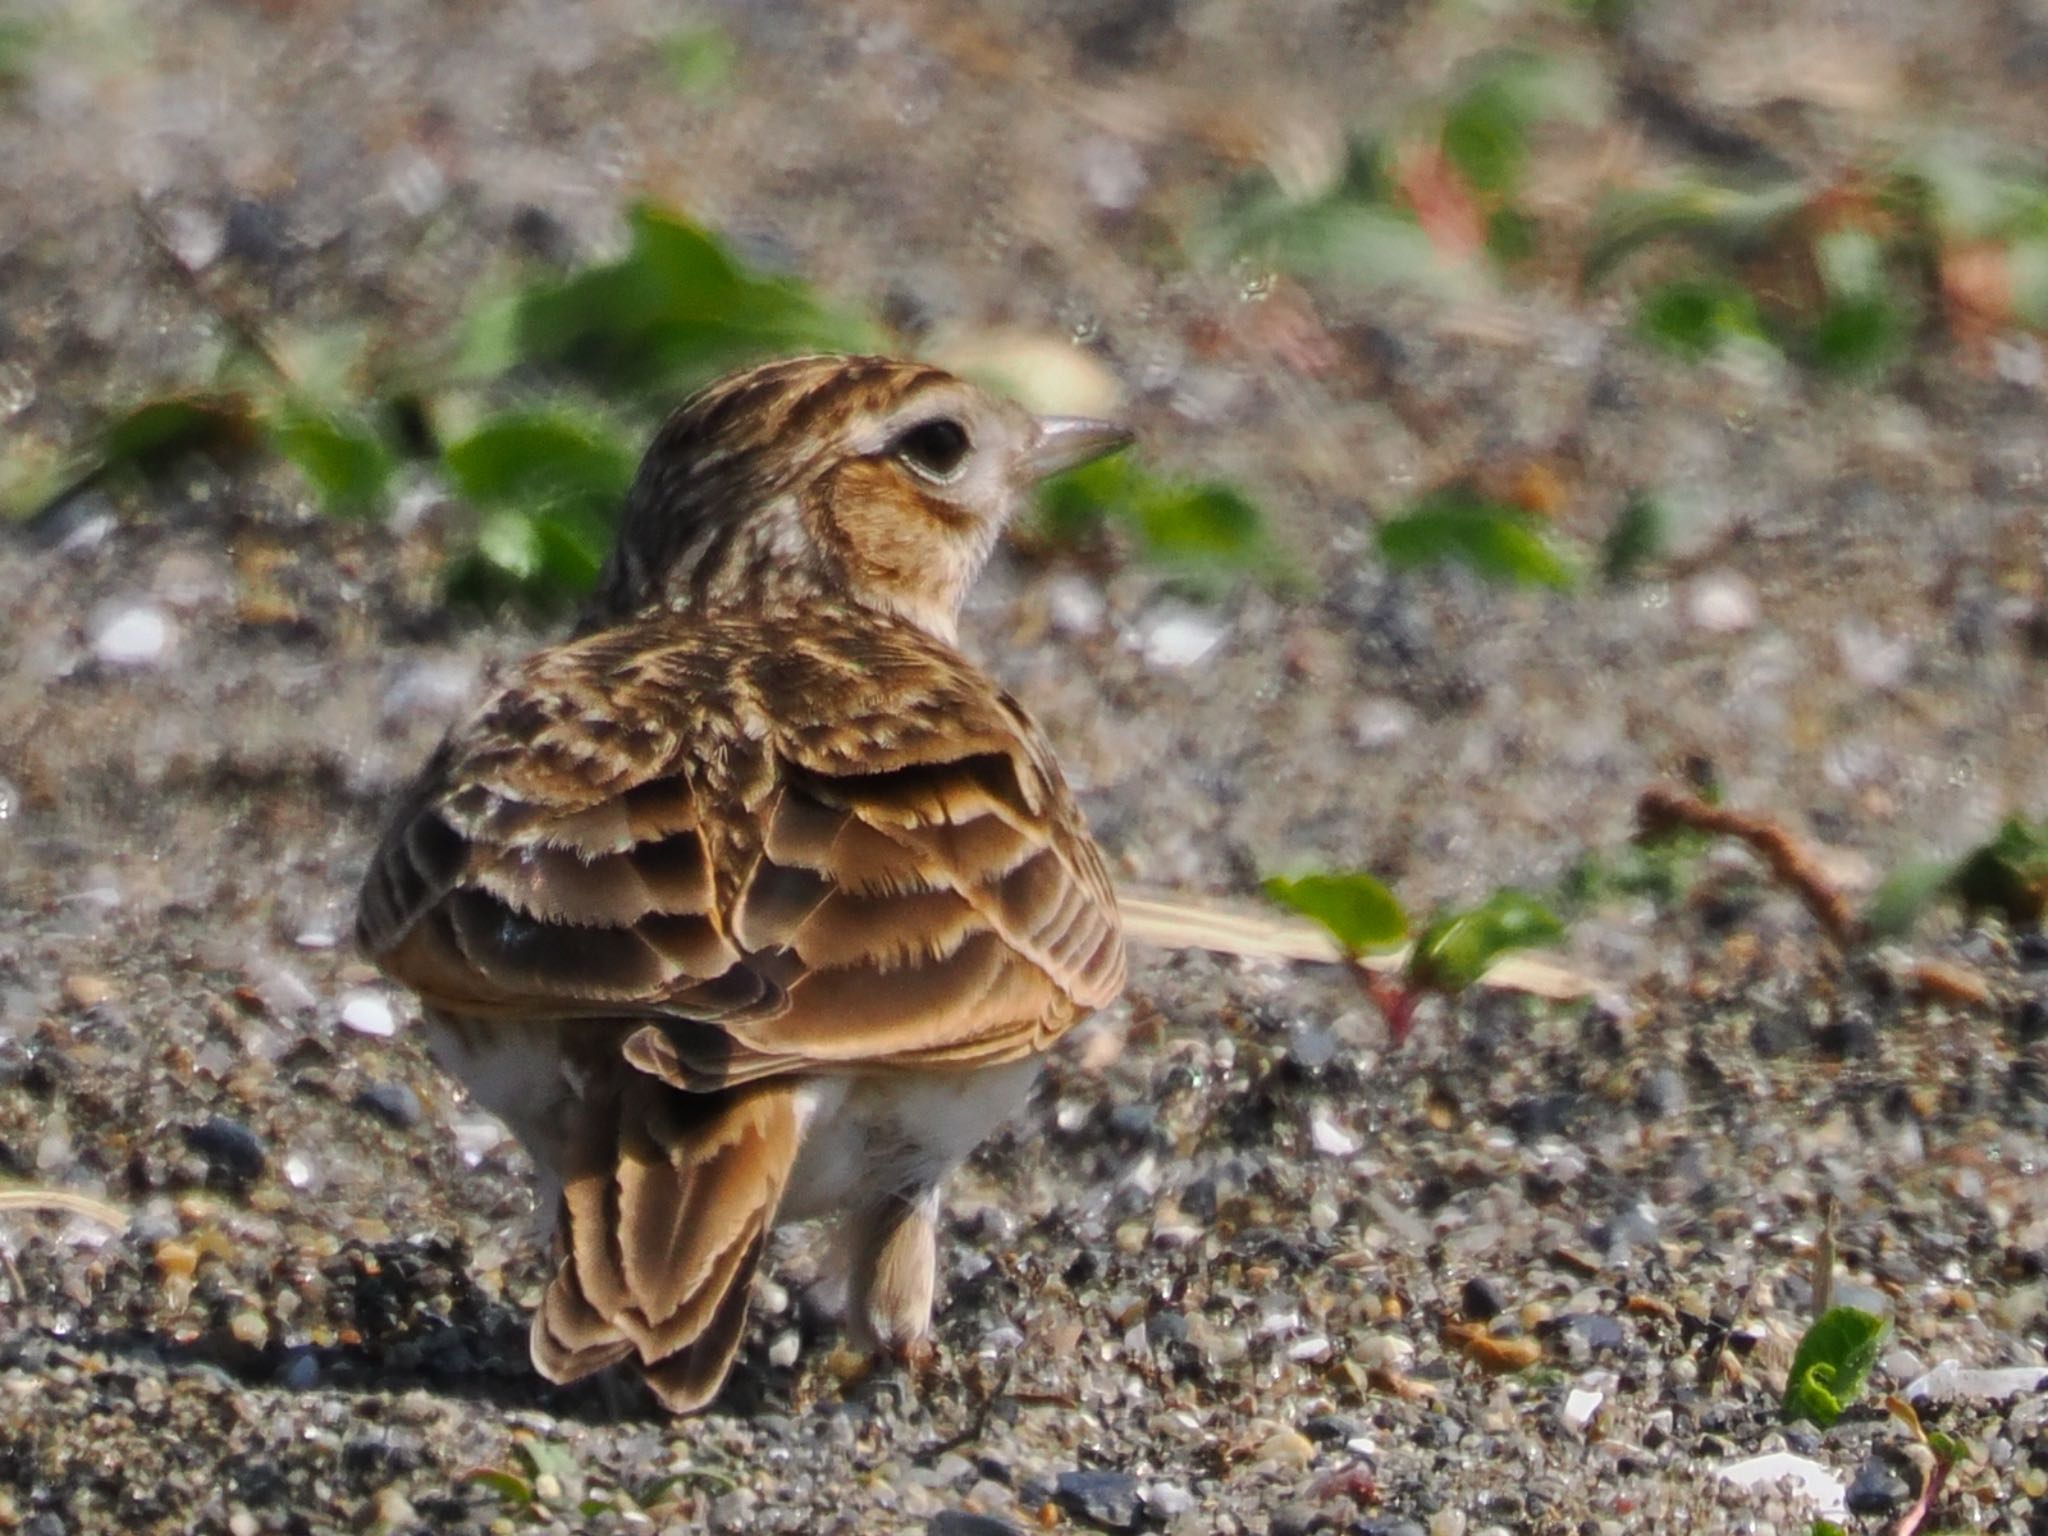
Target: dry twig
(1664, 809)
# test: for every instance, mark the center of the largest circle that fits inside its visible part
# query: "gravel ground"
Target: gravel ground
(1244, 1267)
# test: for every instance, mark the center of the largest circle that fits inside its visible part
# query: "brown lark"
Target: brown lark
(756, 900)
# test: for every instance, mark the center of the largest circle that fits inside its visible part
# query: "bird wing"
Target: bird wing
(799, 846)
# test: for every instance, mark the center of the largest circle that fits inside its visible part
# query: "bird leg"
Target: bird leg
(893, 1261)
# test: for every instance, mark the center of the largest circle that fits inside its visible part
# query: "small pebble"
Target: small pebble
(133, 637)
(393, 1103)
(1108, 1500)
(367, 1013)
(1177, 639)
(1721, 604)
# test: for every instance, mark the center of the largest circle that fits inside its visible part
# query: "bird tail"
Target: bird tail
(665, 1211)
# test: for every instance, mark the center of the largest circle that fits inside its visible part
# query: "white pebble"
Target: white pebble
(1721, 604)
(1579, 1407)
(1179, 638)
(1330, 1138)
(1076, 604)
(368, 1014)
(783, 1352)
(133, 637)
(1378, 724)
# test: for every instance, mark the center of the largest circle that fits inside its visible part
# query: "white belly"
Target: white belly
(869, 1137)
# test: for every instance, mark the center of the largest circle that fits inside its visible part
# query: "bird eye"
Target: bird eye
(934, 449)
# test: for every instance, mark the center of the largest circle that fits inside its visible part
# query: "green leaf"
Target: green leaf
(1640, 535)
(677, 310)
(1696, 317)
(508, 1486)
(153, 434)
(18, 42)
(1948, 1449)
(1369, 246)
(1210, 533)
(546, 1459)
(1832, 1361)
(1860, 337)
(1500, 542)
(541, 458)
(345, 462)
(552, 484)
(1457, 947)
(1487, 124)
(1825, 1528)
(1904, 894)
(2008, 875)
(1359, 911)
(1722, 221)
(699, 59)
(2026, 271)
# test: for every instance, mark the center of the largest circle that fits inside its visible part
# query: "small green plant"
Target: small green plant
(1453, 951)
(2006, 875)
(1456, 527)
(1641, 535)
(699, 59)
(533, 407)
(1837, 275)
(1832, 1362)
(1426, 206)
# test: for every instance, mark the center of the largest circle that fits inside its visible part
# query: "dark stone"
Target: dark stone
(1391, 1526)
(1163, 1328)
(1439, 1432)
(1297, 1520)
(234, 1157)
(1779, 1034)
(1592, 1333)
(1108, 1500)
(1878, 1489)
(1803, 1438)
(957, 1522)
(1332, 1428)
(2033, 949)
(393, 1103)
(1133, 1122)
(254, 233)
(1482, 1299)
(1660, 1093)
(2030, 1020)
(1545, 1114)
(1850, 1037)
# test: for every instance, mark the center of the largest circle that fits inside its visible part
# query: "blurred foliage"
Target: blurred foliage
(2006, 875)
(344, 458)
(675, 312)
(1641, 535)
(1456, 527)
(1832, 1363)
(18, 41)
(1424, 208)
(606, 351)
(1838, 275)
(1207, 535)
(550, 484)
(699, 59)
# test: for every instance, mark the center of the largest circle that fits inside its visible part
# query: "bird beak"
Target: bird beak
(1066, 442)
